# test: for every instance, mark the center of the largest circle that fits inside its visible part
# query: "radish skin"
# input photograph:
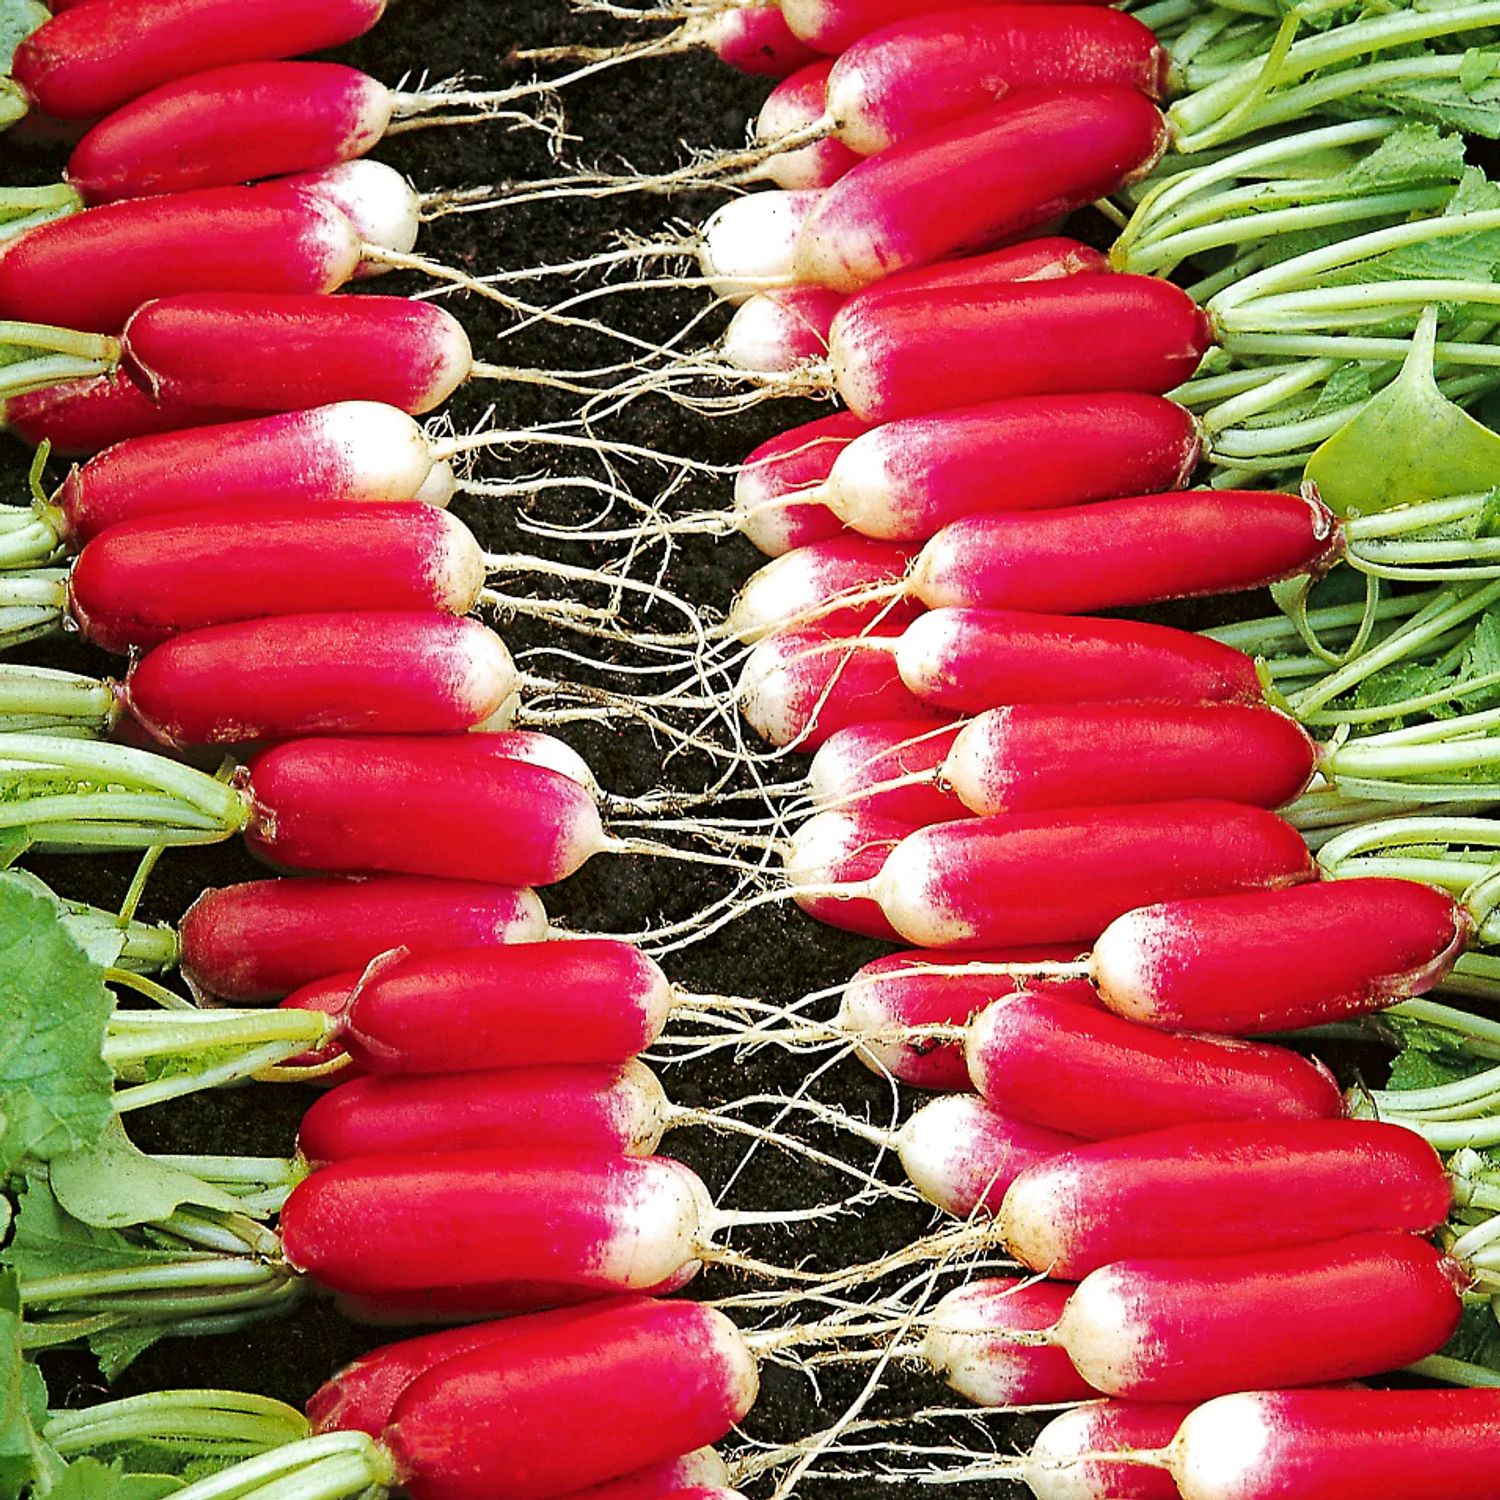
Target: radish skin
(795, 104)
(843, 848)
(384, 208)
(833, 25)
(1070, 1459)
(1272, 1184)
(754, 38)
(768, 504)
(256, 941)
(775, 332)
(975, 181)
(794, 588)
(703, 1472)
(749, 244)
(857, 766)
(1278, 960)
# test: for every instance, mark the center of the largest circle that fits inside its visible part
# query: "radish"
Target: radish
(1186, 1328)
(92, 270)
(879, 768)
(794, 106)
(1332, 1445)
(1078, 1455)
(83, 64)
(830, 856)
(702, 1474)
(806, 584)
(383, 207)
(1273, 1184)
(833, 25)
(776, 331)
(768, 503)
(990, 175)
(258, 940)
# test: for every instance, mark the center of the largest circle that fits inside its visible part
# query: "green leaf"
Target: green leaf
(18, 19)
(117, 1348)
(1415, 154)
(113, 1184)
(23, 1400)
(89, 1479)
(1408, 443)
(1430, 1056)
(1476, 69)
(1477, 1341)
(48, 1241)
(54, 1007)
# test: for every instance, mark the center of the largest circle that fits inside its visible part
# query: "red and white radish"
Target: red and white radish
(1084, 1453)
(795, 105)
(880, 767)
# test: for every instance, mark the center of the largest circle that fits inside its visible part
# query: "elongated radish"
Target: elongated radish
(833, 25)
(351, 451)
(92, 270)
(908, 478)
(1271, 1184)
(776, 331)
(353, 672)
(890, 86)
(1037, 755)
(94, 58)
(753, 37)
(384, 208)
(877, 767)
(843, 849)
(701, 1474)
(796, 104)
(749, 244)
(805, 584)
(676, 1375)
(1043, 1056)
(978, 180)
(967, 1346)
(1187, 1329)
(888, 1002)
(1077, 1455)
(769, 506)
(1334, 1445)
(1275, 960)
(261, 939)
(1064, 876)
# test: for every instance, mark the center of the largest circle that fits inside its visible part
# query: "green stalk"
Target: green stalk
(225, 1423)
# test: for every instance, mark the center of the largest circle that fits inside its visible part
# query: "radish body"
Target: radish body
(768, 504)
(700, 1475)
(1270, 1184)
(656, 1378)
(833, 25)
(458, 807)
(1039, 755)
(978, 180)
(384, 208)
(962, 1154)
(900, 351)
(1125, 552)
(1063, 876)
(92, 270)
(1276, 960)
(1340, 1445)
(753, 37)
(967, 1345)
(774, 332)
(192, 132)
(1187, 1329)
(854, 768)
(598, 1110)
(1071, 1455)
(366, 672)
(891, 996)
(258, 940)
(144, 580)
(352, 451)
(95, 57)
(793, 589)
(908, 478)
(749, 244)
(794, 104)
(1043, 1057)
(843, 849)
(283, 353)
(894, 84)
(601, 1225)
(584, 1000)
(968, 660)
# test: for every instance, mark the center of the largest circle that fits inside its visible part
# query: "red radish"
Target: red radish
(703, 1473)
(833, 25)
(384, 208)
(798, 687)
(748, 245)
(192, 132)
(1063, 876)
(1076, 1456)
(328, 996)
(1276, 960)
(141, 581)
(1040, 258)
(901, 351)
(1124, 552)
(895, 83)
(751, 35)
(838, 849)
(1188, 1328)
(580, 1000)
(962, 1154)
(1339, 1445)
(891, 998)
(909, 478)
(656, 1378)
(799, 586)
(283, 353)
(1042, 1056)
(768, 503)
(968, 660)
(1039, 755)
(978, 180)
(457, 806)
(1271, 1184)
(258, 940)
(794, 105)
(865, 765)
(601, 1110)
(967, 1345)
(79, 417)
(774, 332)
(80, 65)
(371, 671)
(351, 451)
(92, 270)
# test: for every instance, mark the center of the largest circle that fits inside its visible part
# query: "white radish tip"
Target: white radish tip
(439, 487)
(658, 1227)
(749, 244)
(1223, 1445)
